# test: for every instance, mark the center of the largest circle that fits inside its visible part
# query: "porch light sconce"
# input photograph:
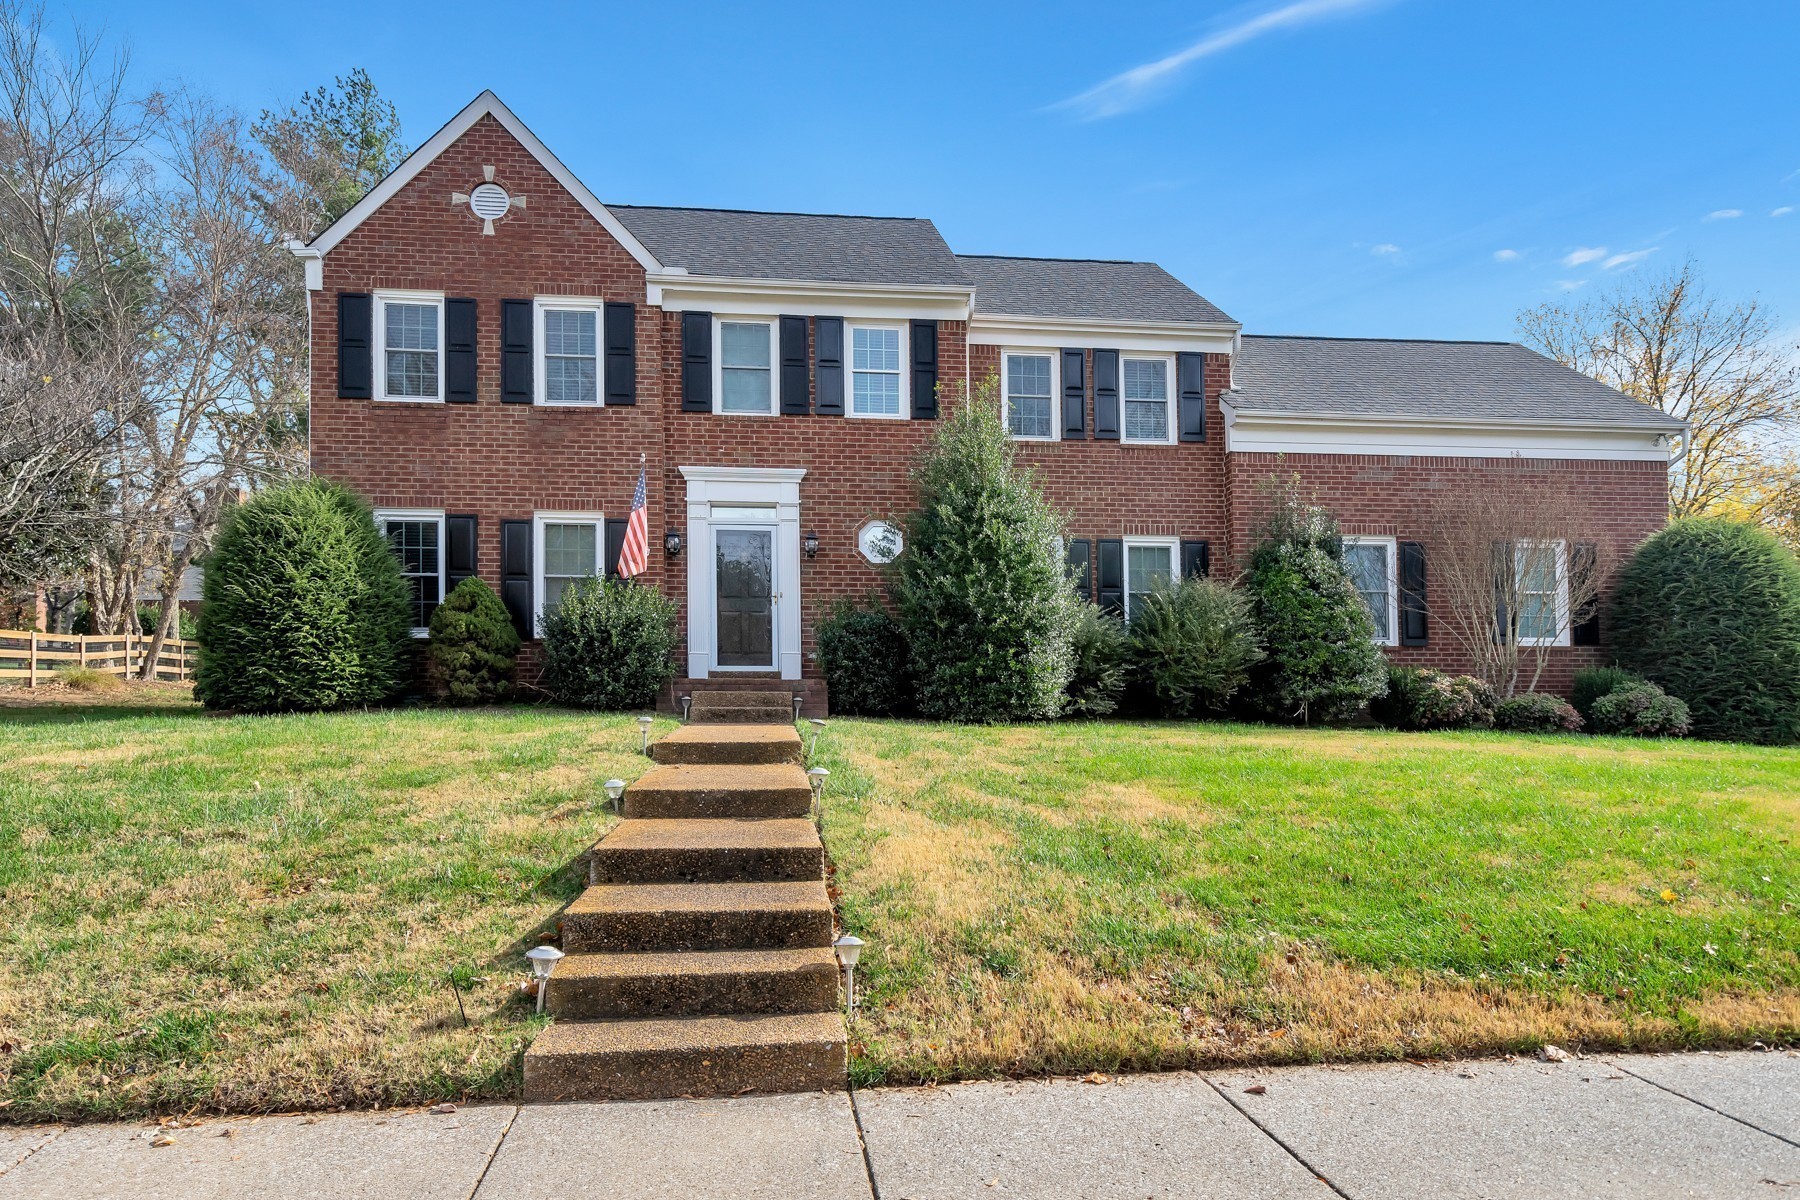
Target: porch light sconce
(811, 543)
(815, 779)
(543, 964)
(672, 543)
(848, 949)
(644, 732)
(614, 789)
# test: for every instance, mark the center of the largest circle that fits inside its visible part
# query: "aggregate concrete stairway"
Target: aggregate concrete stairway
(699, 959)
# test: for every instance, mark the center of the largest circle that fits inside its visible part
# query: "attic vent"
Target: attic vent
(489, 201)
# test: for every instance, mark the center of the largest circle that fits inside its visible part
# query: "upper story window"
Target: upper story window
(1148, 563)
(418, 540)
(746, 382)
(568, 362)
(874, 371)
(1028, 382)
(410, 330)
(570, 547)
(1370, 562)
(1145, 393)
(1542, 583)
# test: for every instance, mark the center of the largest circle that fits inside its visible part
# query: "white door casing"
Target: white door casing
(734, 491)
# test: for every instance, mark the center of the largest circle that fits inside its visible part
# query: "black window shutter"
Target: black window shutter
(1503, 566)
(1106, 395)
(696, 362)
(621, 353)
(1196, 559)
(1413, 626)
(1074, 395)
(459, 549)
(1584, 629)
(515, 573)
(1190, 377)
(924, 370)
(356, 345)
(615, 542)
(828, 364)
(459, 351)
(1078, 555)
(515, 352)
(1112, 575)
(795, 402)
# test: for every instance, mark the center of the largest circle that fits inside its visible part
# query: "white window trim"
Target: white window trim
(538, 521)
(1055, 357)
(384, 515)
(539, 353)
(382, 299)
(850, 328)
(1562, 592)
(1173, 545)
(720, 320)
(1168, 362)
(1392, 548)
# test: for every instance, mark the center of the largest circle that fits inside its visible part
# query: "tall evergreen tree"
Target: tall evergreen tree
(334, 145)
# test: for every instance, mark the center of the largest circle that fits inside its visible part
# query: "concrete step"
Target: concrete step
(694, 1056)
(713, 714)
(728, 744)
(699, 916)
(703, 791)
(708, 851)
(689, 983)
(745, 698)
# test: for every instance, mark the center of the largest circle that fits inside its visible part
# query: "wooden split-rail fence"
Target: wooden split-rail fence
(33, 658)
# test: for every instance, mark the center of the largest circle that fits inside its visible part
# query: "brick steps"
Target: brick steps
(737, 745)
(708, 851)
(667, 984)
(720, 790)
(691, 1056)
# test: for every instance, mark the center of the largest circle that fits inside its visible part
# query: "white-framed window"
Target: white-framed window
(569, 546)
(568, 354)
(1541, 584)
(1144, 383)
(1148, 562)
(744, 375)
(1370, 562)
(877, 354)
(409, 346)
(417, 536)
(1028, 381)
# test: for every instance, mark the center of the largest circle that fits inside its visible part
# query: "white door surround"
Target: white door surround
(774, 491)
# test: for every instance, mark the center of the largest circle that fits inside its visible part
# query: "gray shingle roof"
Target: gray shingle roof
(1361, 377)
(799, 246)
(1077, 288)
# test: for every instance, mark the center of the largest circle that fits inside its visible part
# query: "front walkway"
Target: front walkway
(1615, 1126)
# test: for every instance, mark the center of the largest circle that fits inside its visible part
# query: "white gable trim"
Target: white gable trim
(485, 105)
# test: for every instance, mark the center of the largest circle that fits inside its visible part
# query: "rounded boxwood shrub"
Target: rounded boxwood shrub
(1643, 710)
(1192, 646)
(1537, 712)
(305, 606)
(1709, 610)
(1591, 683)
(1101, 663)
(864, 655)
(609, 644)
(473, 647)
(1420, 698)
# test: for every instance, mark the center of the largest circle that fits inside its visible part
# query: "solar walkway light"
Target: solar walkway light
(815, 779)
(543, 964)
(614, 789)
(644, 731)
(818, 728)
(848, 949)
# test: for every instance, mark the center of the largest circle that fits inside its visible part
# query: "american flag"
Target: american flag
(634, 555)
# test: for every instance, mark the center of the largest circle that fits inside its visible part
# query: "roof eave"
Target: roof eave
(1668, 425)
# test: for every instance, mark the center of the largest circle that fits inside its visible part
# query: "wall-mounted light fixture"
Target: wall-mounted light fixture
(811, 543)
(672, 543)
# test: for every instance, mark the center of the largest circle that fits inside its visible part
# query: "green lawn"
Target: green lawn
(1118, 895)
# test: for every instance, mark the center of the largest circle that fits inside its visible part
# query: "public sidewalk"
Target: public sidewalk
(1725, 1125)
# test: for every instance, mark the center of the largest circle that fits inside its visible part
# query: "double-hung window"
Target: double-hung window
(570, 547)
(1029, 384)
(746, 373)
(1144, 390)
(568, 361)
(1148, 564)
(417, 537)
(1370, 562)
(409, 359)
(1541, 583)
(875, 371)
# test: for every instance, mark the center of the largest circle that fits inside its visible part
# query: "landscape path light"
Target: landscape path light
(815, 779)
(543, 964)
(818, 728)
(849, 948)
(614, 789)
(644, 731)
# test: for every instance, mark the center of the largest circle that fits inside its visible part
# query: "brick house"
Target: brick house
(495, 352)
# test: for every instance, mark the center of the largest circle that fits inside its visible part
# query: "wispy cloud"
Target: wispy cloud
(1506, 255)
(1583, 254)
(1132, 89)
(1783, 211)
(1385, 248)
(1569, 285)
(1630, 259)
(1723, 214)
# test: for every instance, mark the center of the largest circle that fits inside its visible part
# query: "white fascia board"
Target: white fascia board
(485, 105)
(678, 291)
(1257, 432)
(991, 329)
(313, 260)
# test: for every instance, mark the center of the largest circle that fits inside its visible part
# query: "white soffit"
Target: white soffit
(1290, 433)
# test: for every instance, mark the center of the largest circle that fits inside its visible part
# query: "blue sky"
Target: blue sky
(1354, 167)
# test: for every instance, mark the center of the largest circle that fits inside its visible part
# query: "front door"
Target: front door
(744, 579)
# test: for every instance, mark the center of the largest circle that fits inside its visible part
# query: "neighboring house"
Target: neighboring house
(495, 350)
